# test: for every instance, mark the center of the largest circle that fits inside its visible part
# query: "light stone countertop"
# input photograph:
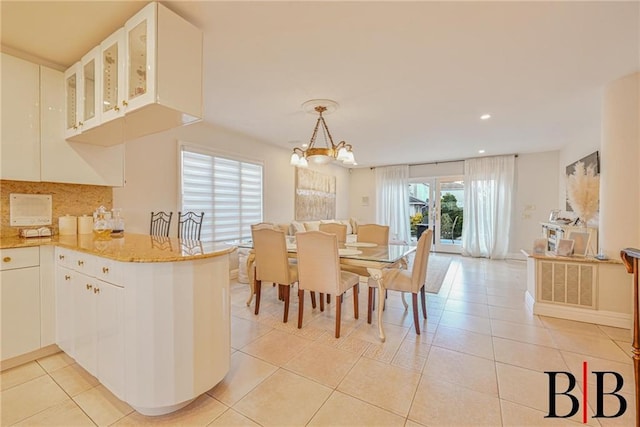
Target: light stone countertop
(130, 248)
(549, 256)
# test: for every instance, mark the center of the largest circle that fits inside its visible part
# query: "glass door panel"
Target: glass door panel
(138, 60)
(111, 64)
(89, 71)
(110, 78)
(71, 83)
(450, 204)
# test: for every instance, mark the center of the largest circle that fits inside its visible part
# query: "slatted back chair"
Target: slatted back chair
(190, 225)
(160, 223)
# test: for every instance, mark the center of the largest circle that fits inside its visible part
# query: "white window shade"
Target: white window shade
(228, 191)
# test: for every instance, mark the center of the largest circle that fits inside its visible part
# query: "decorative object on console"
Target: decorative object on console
(565, 247)
(315, 195)
(581, 242)
(322, 155)
(540, 246)
(583, 188)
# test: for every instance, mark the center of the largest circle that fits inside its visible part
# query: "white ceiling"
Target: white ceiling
(411, 78)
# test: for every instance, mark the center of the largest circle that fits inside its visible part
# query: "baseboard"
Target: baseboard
(517, 256)
(599, 317)
(28, 357)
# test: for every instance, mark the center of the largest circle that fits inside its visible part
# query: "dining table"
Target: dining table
(376, 259)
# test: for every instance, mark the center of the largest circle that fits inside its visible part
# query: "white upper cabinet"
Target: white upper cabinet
(151, 78)
(20, 130)
(112, 76)
(72, 100)
(91, 86)
(141, 62)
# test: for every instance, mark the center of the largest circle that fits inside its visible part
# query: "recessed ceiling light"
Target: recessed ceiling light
(485, 117)
(481, 151)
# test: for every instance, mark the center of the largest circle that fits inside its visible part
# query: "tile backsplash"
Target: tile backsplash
(72, 199)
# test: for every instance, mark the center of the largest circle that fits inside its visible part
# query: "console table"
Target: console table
(579, 288)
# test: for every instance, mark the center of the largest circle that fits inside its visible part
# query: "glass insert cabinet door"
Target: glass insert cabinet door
(112, 75)
(90, 104)
(72, 88)
(141, 57)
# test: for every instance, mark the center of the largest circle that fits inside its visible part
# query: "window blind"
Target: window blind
(228, 191)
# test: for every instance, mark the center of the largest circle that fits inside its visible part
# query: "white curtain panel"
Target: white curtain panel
(392, 201)
(488, 195)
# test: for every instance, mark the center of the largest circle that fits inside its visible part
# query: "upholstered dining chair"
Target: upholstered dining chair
(402, 280)
(272, 263)
(319, 271)
(370, 233)
(160, 223)
(374, 233)
(340, 230)
(190, 225)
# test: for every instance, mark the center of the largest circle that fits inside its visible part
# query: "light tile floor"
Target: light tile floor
(480, 360)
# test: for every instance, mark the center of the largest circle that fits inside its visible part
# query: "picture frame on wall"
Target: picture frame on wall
(565, 247)
(592, 159)
(581, 242)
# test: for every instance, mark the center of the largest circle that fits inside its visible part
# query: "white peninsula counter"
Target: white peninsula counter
(579, 288)
(148, 316)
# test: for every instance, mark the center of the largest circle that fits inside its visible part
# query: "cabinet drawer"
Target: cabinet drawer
(19, 258)
(109, 270)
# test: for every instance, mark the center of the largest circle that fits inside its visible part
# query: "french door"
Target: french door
(437, 204)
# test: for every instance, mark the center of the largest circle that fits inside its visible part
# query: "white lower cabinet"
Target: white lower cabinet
(89, 318)
(65, 330)
(156, 334)
(20, 301)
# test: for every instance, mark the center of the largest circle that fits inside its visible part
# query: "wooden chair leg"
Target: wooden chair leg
(373, 303)
(321, 301)
(313, 299)
(280, 297)
(328, 299)
(424, 302)
(416, 315)
(338, 314)
(301, 306)
(356, 291)
(285, 292)
(258, 286)
(370, 304)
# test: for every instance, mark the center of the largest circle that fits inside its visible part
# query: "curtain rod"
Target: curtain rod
(443, 161)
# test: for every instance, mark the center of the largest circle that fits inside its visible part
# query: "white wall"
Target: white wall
(536, 193)
(152, 174)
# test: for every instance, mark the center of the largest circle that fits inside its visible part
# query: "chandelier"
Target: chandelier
(322, 155)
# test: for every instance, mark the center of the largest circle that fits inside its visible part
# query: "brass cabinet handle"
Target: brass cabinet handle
(116, 108)
(6, 259)
(96, 290)
(81, 263)
(89, 286)
(74, 127)
(105, 270)
(60, 256)
(80, 123)
(124, 103)
(67, 277)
